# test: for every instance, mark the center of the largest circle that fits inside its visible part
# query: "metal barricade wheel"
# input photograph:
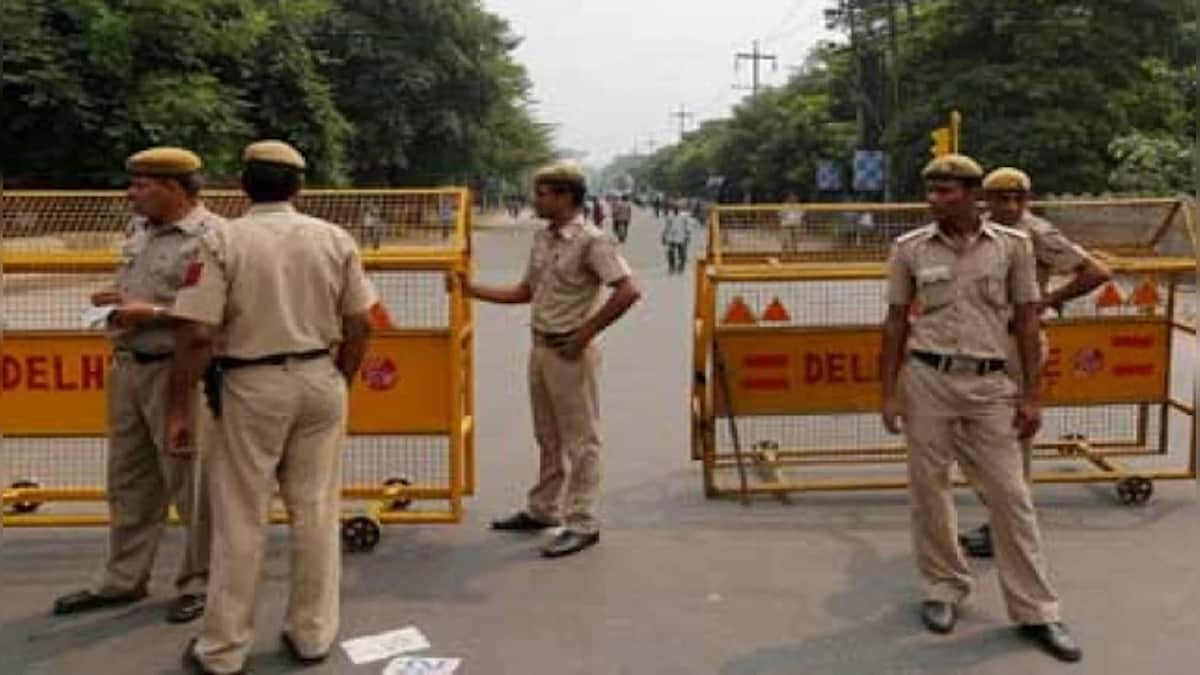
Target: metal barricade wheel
(1134, 490)
(360, 534)
(1078, 443)
(400, 503)
(25, 506)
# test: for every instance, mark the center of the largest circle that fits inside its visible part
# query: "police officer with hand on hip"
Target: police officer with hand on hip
(1008, 192)
(571, 262)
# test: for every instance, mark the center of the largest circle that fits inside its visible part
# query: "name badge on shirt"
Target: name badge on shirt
(930, 275)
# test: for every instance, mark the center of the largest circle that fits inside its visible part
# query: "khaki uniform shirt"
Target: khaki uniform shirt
(155, 263)
(567, 268)
(1055, 253)
(278, 281)
(964, 298)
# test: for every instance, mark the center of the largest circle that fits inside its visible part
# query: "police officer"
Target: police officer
(1007, 191)
(963, 278)
(144, 479)
(290, 297)
(570, 263)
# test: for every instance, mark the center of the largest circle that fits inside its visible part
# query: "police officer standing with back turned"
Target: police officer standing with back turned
(144, 478)
(962, 278)
(289, 294)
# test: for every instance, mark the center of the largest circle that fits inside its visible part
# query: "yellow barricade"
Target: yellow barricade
(787, 334)
(410, 451)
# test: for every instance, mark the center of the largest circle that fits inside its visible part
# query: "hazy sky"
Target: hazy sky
(609, 72)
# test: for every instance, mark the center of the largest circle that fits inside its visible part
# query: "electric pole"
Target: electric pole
(755, 57)
(684, 117)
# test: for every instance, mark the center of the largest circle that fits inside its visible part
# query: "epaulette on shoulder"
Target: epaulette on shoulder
(1013, 232)
(923, 232)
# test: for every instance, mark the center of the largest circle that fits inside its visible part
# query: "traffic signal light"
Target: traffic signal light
(942, 142)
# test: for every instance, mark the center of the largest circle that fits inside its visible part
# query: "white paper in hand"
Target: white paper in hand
(376, 647)
(97, 317)
(418, 665)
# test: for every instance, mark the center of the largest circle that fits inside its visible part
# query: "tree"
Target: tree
(426, 91)
(1152, 165)
(768, 148)
(432, 91)
(1044, 85)
(1081, 94)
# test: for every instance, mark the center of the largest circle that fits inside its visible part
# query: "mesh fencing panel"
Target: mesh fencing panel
(59, 227)
(66, 222)
(837, 232)
(775, 256)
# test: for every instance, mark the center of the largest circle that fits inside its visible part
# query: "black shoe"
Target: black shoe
(1054, 639)
(85, 601)
(568, 542)
(522, 522)
(187, 607)
(938, 616)
(977, 543)
(297, 656)
(191, 663)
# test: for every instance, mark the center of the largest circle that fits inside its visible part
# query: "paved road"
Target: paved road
(679, 585)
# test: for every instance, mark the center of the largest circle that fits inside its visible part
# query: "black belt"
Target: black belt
(958, 364)
(143, 358)
(551, 339)
(233, 363)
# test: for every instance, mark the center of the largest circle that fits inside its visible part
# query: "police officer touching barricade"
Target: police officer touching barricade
(290, 298)
(144, 478)
(1007, 192)
(570, 263)
(963, 278)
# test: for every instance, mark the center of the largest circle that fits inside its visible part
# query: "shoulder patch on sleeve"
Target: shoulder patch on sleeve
(194, 273)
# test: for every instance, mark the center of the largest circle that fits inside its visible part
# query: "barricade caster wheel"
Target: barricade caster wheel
(26, 506)
(1072, 450)
(400, 503)
(1134, 490)
(360, 534)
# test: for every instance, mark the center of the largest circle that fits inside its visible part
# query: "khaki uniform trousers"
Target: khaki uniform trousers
(1013, 368)
(969, 418)
(1014, 371)
(566, 421)
(280, 423)
(143, 482)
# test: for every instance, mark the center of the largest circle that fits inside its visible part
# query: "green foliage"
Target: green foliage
(1042, 84)
(766, 151)
(1086, 95)
(381, 92)
(1153, 165)
(432, 91)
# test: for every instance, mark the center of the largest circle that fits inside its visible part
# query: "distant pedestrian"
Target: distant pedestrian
(676, 237)
(622, 214)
